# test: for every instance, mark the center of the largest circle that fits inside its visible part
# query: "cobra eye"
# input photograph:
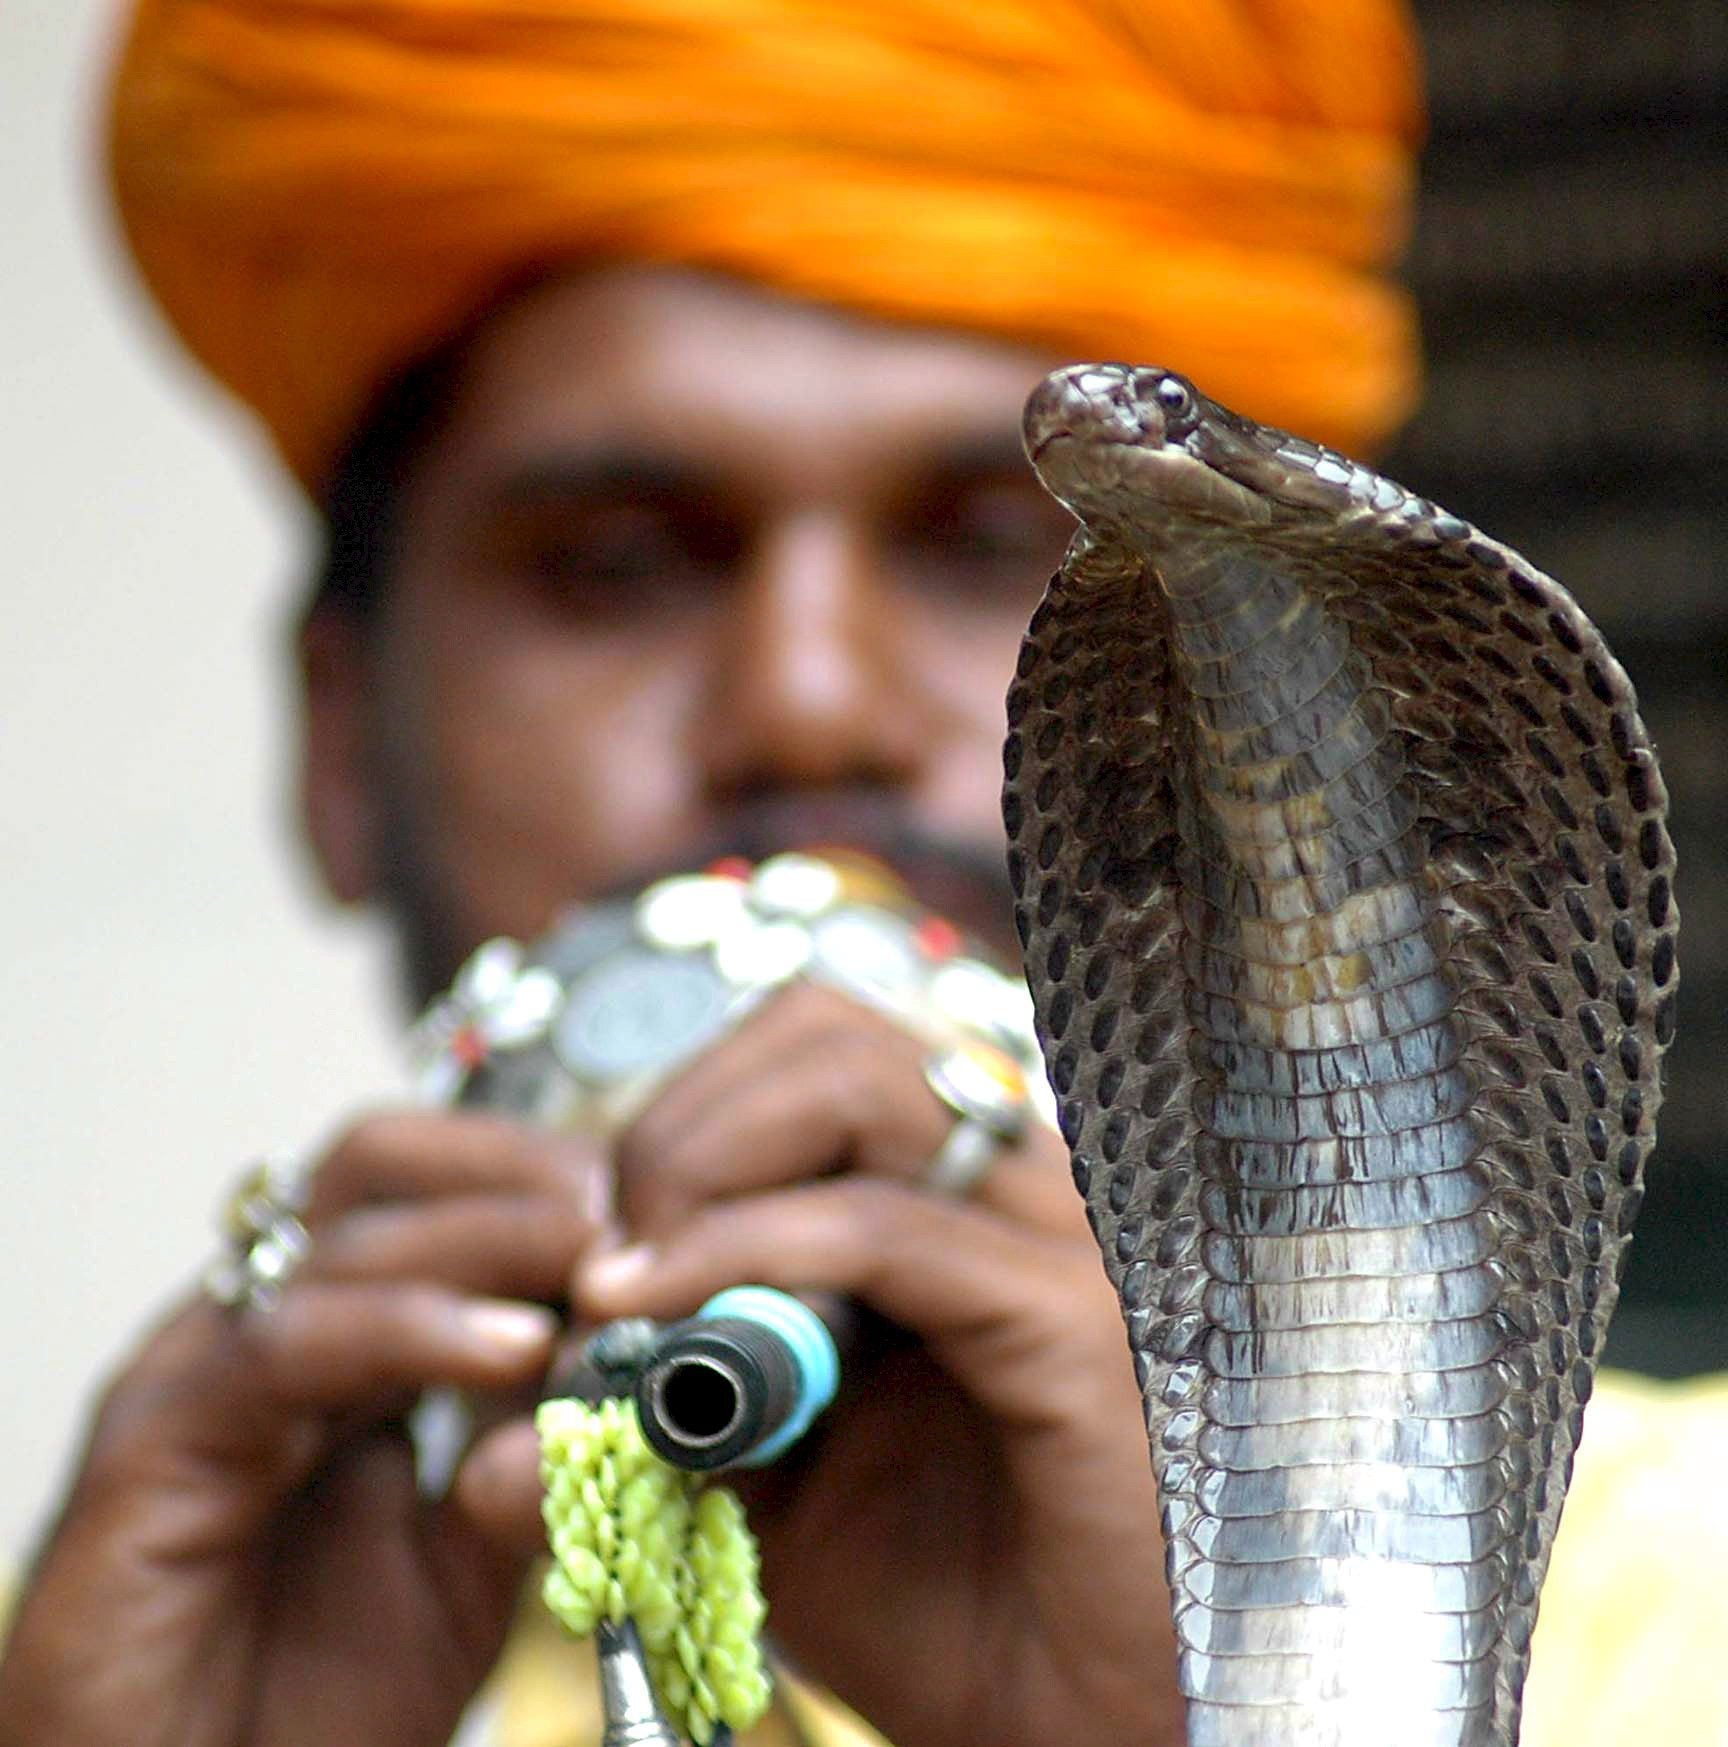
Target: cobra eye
(1175, 397)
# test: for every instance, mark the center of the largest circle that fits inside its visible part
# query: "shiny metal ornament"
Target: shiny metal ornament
(691, 910)
(796, 885)
(765, 956)
(987, 1090)
(865, 949)
(640, 1011)
(633, 1717)
(265, 1241)
(1347, 899)
(579, 1029)
(497, 1002)
(977, 995)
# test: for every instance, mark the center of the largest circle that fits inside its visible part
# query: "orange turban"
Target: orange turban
(317, 191)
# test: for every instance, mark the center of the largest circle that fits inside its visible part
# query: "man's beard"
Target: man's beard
(957, 877)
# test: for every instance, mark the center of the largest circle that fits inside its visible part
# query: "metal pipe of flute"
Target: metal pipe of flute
(739, 1383)
(735, 1385)
(627, 1698)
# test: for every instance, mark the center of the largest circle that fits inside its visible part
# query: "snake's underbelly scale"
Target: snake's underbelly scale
(1341, 868)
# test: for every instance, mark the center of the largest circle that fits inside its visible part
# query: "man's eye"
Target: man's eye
(618, 558)
(991, 538)
(610, 555)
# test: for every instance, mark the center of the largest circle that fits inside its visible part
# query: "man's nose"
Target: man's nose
(811, 682)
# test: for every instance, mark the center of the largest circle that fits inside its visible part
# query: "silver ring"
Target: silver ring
(962, 1160)
(266, 1239)
(987, 1092)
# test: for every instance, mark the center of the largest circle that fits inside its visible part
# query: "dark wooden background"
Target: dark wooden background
(1570, 266)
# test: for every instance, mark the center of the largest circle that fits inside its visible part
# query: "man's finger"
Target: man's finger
(502, 1246)
(995, 1302)
(498, 1488)
(240, 1387)
(844, 1096)
(331, 1346)
(811, 1084)
(414, 1155)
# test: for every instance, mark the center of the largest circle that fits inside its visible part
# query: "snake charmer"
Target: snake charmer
(655, 374)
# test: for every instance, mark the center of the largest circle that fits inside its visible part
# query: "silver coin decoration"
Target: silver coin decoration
(795, 885)
(691, 910)
(640, 1011)
(579, 1030)
(765, 956)
(866, 950)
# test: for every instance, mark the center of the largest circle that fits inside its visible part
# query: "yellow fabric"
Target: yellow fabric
(1630, 1647)
(545, 1694)
(319, 190)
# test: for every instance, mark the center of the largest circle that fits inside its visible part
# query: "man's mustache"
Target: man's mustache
(959, 877)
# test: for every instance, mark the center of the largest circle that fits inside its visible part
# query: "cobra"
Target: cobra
(1346, 895)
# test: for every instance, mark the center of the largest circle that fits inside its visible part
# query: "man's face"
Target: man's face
(690, 570)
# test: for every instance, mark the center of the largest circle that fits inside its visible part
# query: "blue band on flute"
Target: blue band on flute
(813, 1352)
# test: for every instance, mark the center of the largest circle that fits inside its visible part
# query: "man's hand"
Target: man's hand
(966, 1550)
(243, 1560)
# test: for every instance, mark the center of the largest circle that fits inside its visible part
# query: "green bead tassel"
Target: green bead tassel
(631, 1535)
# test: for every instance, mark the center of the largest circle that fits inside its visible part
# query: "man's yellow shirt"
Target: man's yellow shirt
(1632, 1645)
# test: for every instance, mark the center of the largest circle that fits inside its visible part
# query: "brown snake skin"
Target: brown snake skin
(1340, 865)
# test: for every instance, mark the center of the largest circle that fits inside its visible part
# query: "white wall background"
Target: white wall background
(172, 997)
